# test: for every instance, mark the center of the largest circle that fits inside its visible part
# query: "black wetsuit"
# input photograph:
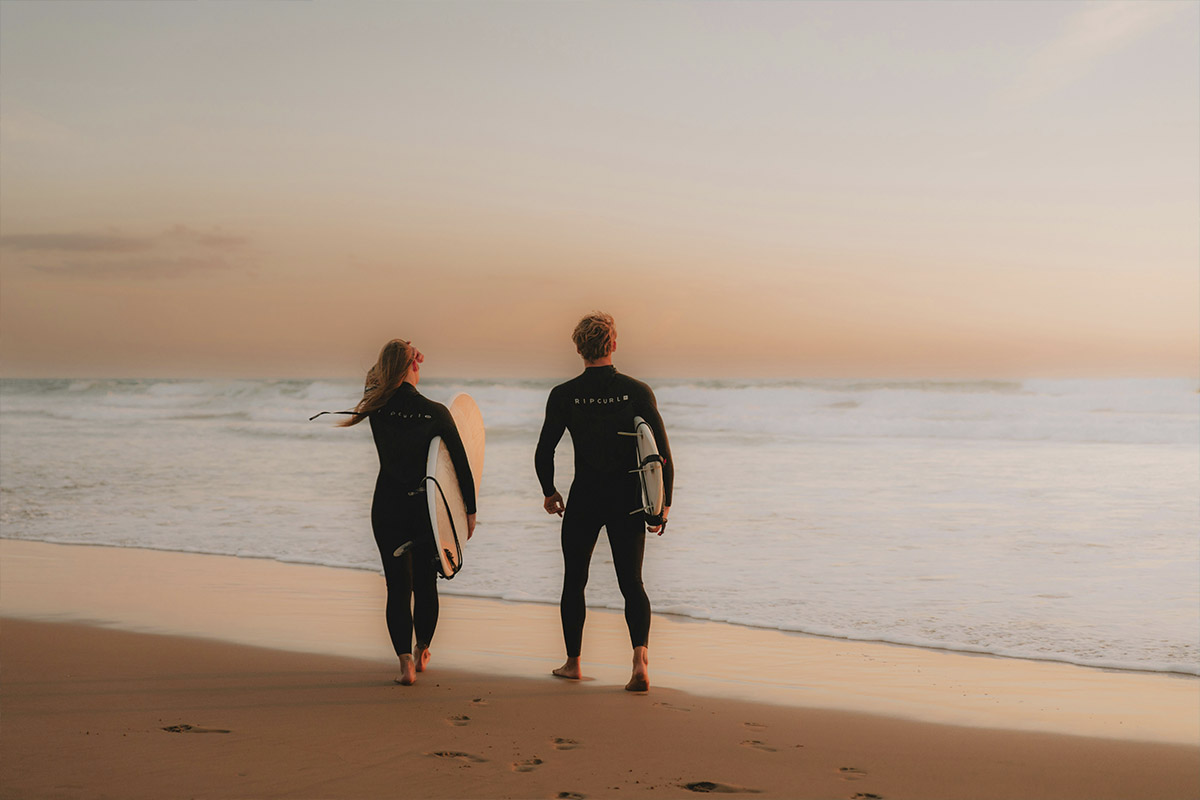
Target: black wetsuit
(595, 407)
(403, 430)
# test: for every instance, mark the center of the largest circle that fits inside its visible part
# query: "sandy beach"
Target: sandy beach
(130, 673)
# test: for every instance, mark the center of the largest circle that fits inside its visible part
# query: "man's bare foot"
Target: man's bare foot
(408, 671)
(421, 656)
(640, 680)
(570, 670)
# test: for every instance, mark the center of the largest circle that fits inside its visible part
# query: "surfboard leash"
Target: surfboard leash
(453, 528)
(323, 413)
(402, 549)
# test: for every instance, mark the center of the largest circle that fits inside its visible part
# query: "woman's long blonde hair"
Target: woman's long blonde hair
(383, 379)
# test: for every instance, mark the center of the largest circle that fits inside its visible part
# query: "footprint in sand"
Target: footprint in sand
(457, 755)
(706, 787)
(754, 726)
(527, 765)
(193, 729)
(852, 774)
(670, 707)
(757, 745)
(570, 796)
(479, 701)
(458, 720)
(866, 796)
(565, 744)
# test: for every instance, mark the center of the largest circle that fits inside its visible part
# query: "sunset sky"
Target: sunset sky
(798, 189)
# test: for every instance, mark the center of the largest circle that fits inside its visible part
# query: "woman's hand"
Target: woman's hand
(554, 504)
(470, 526)
(660, 529)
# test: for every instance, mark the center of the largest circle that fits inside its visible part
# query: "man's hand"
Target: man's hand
(470, 526)
(660, 529)
(554, 504)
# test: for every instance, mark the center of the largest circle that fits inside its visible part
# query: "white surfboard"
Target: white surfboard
(649, 469)
(447, 510)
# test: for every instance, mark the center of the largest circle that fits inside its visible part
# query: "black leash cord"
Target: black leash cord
(314, 416)
(453, 529)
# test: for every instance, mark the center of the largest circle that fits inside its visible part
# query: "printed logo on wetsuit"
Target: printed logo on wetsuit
(402, 415)
(591, 401)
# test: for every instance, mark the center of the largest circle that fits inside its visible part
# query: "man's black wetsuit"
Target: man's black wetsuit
(403, 430)
(595, 407)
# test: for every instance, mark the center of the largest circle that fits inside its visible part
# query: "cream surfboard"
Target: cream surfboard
(447, 510)
(649, 469)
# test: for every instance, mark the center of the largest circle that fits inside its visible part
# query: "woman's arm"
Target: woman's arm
(458, 457)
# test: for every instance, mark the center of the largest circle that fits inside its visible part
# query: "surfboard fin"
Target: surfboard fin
(402, 549)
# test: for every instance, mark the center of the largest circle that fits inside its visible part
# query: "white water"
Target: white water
(1038, 519)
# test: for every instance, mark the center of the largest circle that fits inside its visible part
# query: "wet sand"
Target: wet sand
(98, 702)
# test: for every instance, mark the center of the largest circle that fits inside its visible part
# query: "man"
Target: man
(597, 407)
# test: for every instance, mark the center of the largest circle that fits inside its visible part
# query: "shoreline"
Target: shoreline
(325, 610)
(669, 615)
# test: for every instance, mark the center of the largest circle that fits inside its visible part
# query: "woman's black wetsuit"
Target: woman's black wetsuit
(402, 430)
(595, 407)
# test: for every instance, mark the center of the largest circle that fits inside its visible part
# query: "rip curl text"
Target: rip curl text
(589, 401)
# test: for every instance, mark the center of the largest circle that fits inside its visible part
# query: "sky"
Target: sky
(775, 189)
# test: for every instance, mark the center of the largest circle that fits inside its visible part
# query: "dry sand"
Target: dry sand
(88, 711)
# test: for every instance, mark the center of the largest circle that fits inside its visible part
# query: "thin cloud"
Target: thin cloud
(1095, 32)
(74, 243)
(155, 268)
(215, 240)
(176, 252)
(117, 243)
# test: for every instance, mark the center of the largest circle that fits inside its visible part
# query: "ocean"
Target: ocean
(1039, 519)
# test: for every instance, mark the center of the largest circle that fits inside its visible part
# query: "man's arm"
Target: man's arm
(543, 458)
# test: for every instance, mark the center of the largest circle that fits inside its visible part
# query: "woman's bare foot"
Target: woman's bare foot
(570, 670)
(640, 680)
(421, 656)
(408, 670)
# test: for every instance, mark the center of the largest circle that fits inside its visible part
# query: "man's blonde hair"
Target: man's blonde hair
(595, 336)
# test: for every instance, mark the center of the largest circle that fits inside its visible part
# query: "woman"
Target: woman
(403, 422)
